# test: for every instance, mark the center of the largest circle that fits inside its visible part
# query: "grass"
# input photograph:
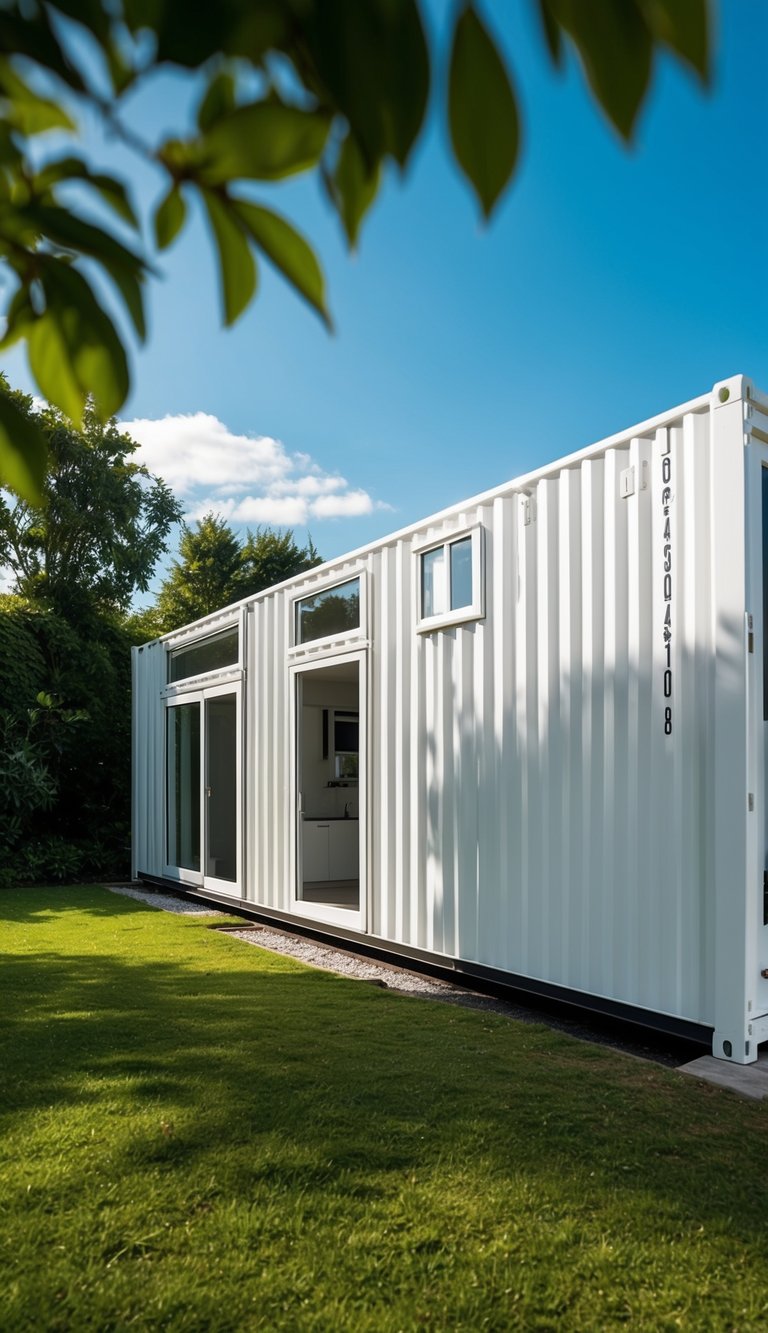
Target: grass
(197, 1135)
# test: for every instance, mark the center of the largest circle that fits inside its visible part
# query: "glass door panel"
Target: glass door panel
(183, 793)
(221, 760)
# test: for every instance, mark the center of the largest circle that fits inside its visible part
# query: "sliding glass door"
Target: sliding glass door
(203, 785)
(183, 795)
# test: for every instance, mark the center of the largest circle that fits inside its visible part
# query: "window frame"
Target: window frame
(193, 634)
(351, 636)
(475, 610)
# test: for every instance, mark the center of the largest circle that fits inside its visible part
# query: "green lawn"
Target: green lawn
(199, 1135)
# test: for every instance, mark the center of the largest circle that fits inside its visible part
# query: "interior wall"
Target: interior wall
(319, 693)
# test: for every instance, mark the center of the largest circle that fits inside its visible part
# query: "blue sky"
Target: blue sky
(610, 285)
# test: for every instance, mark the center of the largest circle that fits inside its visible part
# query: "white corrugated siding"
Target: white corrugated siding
(527, 811)
(148, 777)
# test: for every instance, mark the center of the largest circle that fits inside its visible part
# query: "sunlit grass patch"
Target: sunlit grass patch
(197, 1134)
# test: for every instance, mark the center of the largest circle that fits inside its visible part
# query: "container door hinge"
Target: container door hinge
(765, 898)
(750, 635)
(529, 510)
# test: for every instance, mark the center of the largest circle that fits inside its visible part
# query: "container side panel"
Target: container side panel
(149, 760)
(534, 807)
(541, 776)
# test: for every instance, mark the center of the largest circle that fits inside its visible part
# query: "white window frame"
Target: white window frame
(232, 888)
(352, 636)
(460, 614)
(190, 638)
(339, 916)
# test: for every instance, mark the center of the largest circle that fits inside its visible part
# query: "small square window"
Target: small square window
(450, 581)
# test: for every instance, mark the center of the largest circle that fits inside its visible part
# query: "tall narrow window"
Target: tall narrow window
(183, 784)
(461, 573)
(450, 582)
(433, 599)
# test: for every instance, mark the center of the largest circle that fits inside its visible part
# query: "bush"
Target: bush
(64, 746)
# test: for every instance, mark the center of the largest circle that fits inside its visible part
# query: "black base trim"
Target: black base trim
(473, 976)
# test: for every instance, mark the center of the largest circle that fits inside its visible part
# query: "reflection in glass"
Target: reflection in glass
(221, 786)
(335, 611)
(184, 786)
(211, 654)
(461, 573)
(433, 582)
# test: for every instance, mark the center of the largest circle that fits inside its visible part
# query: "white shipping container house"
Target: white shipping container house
(525, 738)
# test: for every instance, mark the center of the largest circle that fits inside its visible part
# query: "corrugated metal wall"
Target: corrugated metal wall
(529, 811)
(148, 777)
(533, 804)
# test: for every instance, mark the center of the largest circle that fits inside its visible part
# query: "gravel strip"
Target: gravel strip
(657, 1049)
(306, 951)
(346, 964)
(163, 901)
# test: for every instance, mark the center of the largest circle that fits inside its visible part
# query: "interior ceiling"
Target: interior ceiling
(344, 671)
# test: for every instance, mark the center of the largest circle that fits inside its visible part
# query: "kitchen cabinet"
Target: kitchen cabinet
(344, 855)
(330, 849)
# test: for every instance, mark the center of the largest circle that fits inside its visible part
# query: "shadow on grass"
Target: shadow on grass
(309, 1081)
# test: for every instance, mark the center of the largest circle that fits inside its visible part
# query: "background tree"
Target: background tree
(102, 524)
(214, 569)
(270, 557)
(339, 88)
(65, 672)
(203, 578)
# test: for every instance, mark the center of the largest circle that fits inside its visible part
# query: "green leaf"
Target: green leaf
(616, 51)
(186, 35)
(169, 218)
(72, 231)
(219, 100)
(683, 26)
(124, 267)
(74, 350)
(26, 111)
(37, 40)
(373, 59)
(130, 287)
(288, 251)
(112, 191)
(552, 33)
(236, 263)
(120, 72)
(23, 452)
(20, 316)
(262, 141)
(353, 187)
(482, 111)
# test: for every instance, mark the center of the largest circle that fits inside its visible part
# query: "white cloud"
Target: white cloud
(349, 505)
(278, 510)
(312, 485)
(197, 450)
(244, 478)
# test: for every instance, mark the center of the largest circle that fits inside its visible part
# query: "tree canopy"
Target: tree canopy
(337, 88)
(214, 569)
(102, 524)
